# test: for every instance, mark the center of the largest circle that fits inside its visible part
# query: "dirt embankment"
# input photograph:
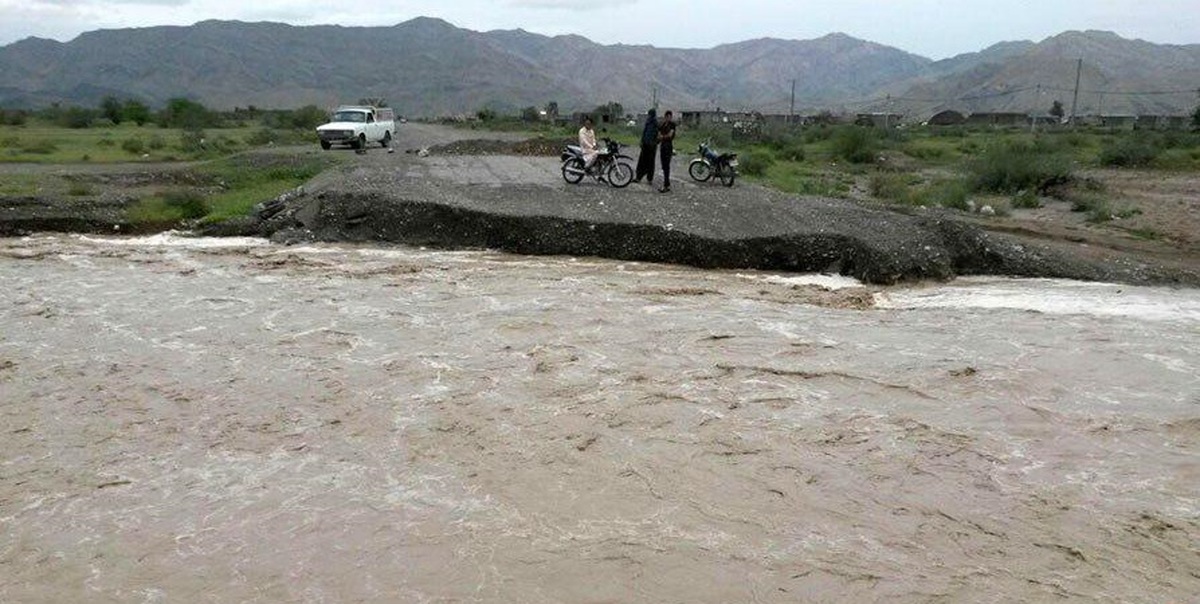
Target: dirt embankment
(508, 195)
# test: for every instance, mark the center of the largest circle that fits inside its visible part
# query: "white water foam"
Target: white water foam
(830, 282)
(177, 239)
(1052, 296)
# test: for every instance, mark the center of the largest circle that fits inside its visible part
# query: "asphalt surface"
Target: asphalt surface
(416, 195)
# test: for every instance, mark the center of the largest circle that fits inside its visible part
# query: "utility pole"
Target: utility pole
(654, 99)
(792, 107)
(1075, 101)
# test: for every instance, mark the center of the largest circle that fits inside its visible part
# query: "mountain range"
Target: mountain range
(428, 67)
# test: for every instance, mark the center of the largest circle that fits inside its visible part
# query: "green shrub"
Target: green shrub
(926, 152)
(788, 145)
(193, 141)
(856, 144)
(133, 145)
(262, 136)
(1026, 199)
(1075, 140)
(1013, 167)
(756, 162)
(79, 189)
(892, 187)
(40, 147)
(1129, 153)
(816, 134)
(947, 193)
(792, 152)
(189, 203)
(157, 142)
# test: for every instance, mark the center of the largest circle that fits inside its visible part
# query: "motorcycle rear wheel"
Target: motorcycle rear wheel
(699, 170)
(620, 174)
(727, 175)
(572, 170)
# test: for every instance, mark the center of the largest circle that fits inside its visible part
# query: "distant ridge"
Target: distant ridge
(427, 66)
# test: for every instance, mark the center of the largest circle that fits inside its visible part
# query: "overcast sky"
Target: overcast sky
(933, 28)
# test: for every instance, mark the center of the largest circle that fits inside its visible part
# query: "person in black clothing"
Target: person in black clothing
(645, 164)
(666, 148)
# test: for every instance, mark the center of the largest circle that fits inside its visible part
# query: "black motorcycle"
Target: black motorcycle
(710, 163)
(610, 166)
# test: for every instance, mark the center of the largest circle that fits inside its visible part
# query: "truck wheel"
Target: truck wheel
(326, 145)
(361, 143)
(387, 140)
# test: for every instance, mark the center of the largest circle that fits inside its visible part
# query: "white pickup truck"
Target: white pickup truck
(358, 125)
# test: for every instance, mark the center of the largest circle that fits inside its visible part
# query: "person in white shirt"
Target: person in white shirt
(587, 143)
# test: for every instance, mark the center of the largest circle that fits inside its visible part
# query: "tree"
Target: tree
(1196, 118)
(529, 114)
(136, 112)
(308, 117)
(608, 112)
(1057, 110)
(552, 109)
(187, 114)
(110, 108)
(76, 117)
(12, 117)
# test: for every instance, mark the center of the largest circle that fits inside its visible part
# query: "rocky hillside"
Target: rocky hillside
(1116, 76)
(429, 67)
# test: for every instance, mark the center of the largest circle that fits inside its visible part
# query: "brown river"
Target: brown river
(226, 420)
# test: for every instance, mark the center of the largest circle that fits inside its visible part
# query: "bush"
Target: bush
(952, 193)
(76, 118)
(40, 147)
(13, 117)
(892, 187)
(133, 145)
(192, 141)
(793, 152)
(262, 136)
(855, 144)
(157, 142)
(190, 203)
(1129, 153)
(755, 163)
(1013, 167)
(926, 152)
(822, 132)
(787, 145)
(1026, 199)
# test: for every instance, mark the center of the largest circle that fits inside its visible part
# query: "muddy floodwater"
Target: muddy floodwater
(225, 420)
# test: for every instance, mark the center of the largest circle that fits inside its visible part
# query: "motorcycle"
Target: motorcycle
(710, 163)
(610, 166)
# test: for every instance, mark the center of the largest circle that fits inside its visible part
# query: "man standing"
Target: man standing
(666, 148)
(645, 165)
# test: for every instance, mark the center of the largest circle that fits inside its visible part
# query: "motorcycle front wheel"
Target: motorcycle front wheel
(620, 174)
(699, 170)
(572, 170)
(727, 175)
